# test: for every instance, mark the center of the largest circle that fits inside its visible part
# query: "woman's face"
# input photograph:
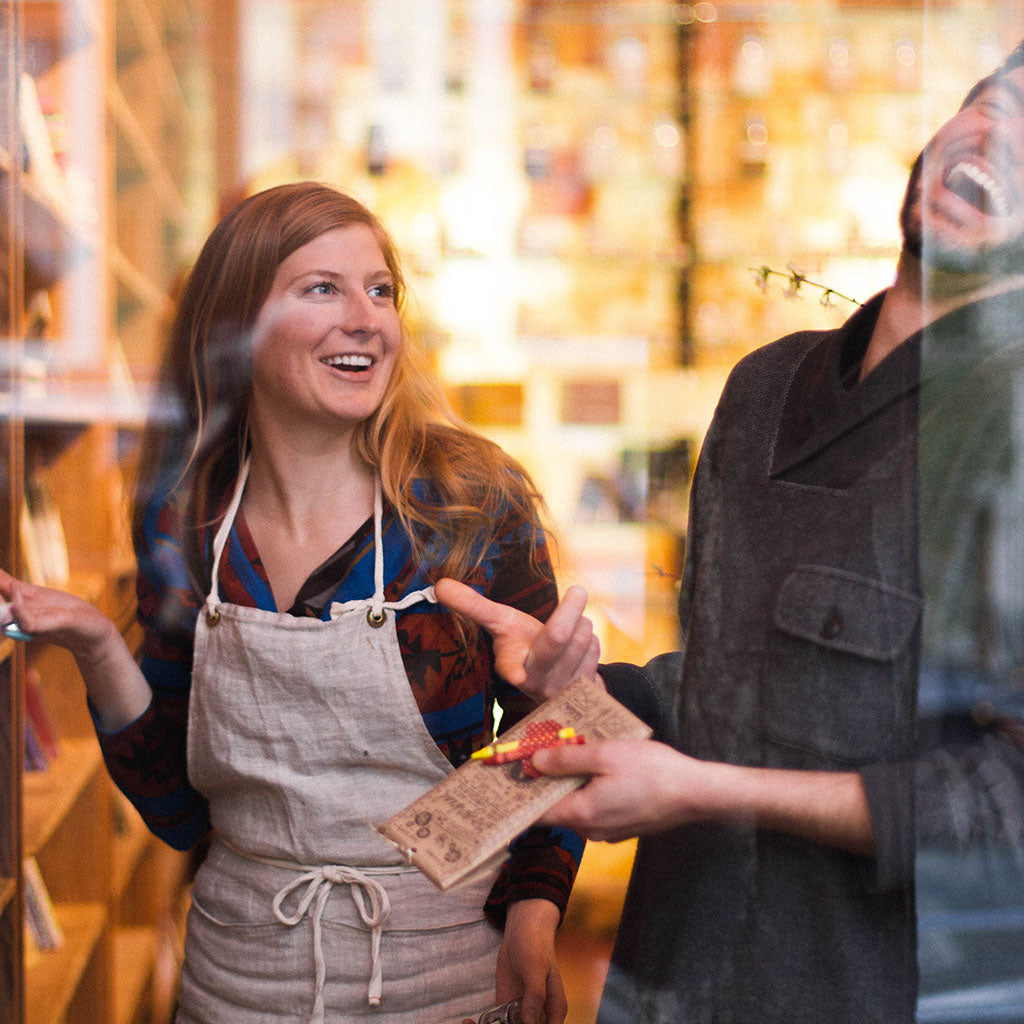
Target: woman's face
(327, 335)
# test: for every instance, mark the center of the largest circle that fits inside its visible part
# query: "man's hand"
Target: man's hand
(638, 787)
(540, 658)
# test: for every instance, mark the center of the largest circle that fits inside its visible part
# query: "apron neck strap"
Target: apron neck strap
(377, 605)
(220, 539)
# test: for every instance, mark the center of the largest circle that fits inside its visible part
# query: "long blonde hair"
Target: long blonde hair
(473, 486)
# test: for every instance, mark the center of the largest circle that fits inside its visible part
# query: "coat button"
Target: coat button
(833, 624)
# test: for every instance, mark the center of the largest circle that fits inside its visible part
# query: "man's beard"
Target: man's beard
(935, 253)
(910, 227)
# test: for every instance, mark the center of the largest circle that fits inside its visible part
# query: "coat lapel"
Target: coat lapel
(817, 410)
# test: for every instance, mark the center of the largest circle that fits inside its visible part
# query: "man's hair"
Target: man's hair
(1014, 60)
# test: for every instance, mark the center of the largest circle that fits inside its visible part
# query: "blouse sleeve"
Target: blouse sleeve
(147, 758)
(543, 861)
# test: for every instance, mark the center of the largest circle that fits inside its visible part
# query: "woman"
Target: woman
(295, 662)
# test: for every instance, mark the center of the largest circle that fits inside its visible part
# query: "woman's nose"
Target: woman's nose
(360, 317)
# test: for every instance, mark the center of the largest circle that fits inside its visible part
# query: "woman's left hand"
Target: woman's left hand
(526, 962)
(540, 658)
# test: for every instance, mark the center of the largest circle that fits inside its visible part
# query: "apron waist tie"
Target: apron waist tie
(369, 896)
(318, 883)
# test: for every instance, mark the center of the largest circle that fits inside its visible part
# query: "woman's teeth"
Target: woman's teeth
(349, 362)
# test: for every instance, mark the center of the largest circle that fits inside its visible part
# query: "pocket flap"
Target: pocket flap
(846, 612)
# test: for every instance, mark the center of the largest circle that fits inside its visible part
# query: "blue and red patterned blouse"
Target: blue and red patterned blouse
(453, 681)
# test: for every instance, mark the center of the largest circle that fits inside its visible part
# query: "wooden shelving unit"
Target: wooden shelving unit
(95, 235)
(53, 980)
(11, 752)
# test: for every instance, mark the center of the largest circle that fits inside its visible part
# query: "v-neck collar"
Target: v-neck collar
(820, 407)
(319, 588)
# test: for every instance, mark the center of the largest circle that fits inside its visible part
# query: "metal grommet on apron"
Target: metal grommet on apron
(300, 732)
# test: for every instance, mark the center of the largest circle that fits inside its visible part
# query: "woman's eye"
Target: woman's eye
(320, 288)
(382, 291)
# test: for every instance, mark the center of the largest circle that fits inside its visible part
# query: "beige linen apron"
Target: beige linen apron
(300, 733)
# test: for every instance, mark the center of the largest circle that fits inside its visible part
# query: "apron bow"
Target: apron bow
(372, 902)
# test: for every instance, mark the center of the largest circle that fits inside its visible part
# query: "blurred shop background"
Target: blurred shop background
(601, 206)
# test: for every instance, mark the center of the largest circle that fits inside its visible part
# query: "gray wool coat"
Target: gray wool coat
(835, 533)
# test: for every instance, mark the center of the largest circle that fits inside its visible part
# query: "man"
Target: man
(857, 524)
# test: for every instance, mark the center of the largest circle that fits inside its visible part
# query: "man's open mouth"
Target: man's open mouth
(977, 187)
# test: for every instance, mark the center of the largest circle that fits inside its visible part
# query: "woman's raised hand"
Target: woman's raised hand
(56, 617)
(116, 687)
(541, 658)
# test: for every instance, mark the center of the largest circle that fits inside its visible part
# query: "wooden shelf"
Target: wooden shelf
(126, 88)
(134, 956)
(76, 403)
(142, 288)
(56, 240)
(88, 585)
(52, 976)
(142, 40)
(8, 887)
(128, 850)
(145, 152)
(49, 794)
(53, 30)
(122, 603)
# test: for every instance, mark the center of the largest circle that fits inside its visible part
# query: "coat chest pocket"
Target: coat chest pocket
(837, 679)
